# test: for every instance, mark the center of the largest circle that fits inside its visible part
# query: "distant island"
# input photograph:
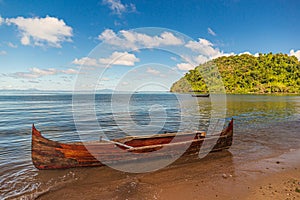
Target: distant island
(34, 90)
(248, 74)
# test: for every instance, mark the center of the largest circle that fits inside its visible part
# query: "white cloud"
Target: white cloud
(107, 35)
(118, 8)
(69, 71)
(6, 87)
(224, 54)
(33, 81)
(25, 40)
(174, 58)
(211, 32)
(292, 53)
(12, 45)
(152, 71)
(246, 52)
(36, 73)
(86, 61)
(1, 20)
(105, 79)
(43, 72)
(204, 47)
(167, 38)
(2, 53)
(120, 58)
(110, 37)
(295, 53)
(185, 66)
(200, 59)
(36, 31)
(132, 40)
(205, 50)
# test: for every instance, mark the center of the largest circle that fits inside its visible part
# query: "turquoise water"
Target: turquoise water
(255, 115)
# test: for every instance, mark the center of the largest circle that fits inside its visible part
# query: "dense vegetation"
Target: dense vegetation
(241, 74)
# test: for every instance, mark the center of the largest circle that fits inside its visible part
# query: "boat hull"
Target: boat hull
(200, 95)
(48, 154)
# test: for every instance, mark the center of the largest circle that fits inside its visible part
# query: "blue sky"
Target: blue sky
(46, 44)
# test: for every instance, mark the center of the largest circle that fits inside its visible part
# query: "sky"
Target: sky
(134, 44)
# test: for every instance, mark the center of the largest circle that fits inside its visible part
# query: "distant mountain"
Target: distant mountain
(18, 90)
(50, 91)
(243, 74)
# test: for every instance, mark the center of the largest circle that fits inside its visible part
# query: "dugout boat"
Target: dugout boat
(200, 95)
(49, 154)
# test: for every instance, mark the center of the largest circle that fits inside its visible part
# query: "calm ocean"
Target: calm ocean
(255, 115)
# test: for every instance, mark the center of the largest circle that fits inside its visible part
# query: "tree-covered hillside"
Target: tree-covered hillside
(267, 73)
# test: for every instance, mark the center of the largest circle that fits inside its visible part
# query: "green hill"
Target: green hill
(242, 74)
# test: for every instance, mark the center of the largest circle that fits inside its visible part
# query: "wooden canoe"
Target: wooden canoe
(200, 95)
(48, 154)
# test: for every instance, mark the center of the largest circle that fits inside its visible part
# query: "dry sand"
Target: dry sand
(217, 176)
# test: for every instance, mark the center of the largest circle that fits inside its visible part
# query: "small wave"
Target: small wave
(28, 183)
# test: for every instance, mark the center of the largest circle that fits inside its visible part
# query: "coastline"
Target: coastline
(265, 179)
(229, 93)
(264, 128)
(257, 164)
(214, 177)
(282, 182)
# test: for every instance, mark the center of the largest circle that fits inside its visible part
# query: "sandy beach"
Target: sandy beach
(272, 178)
(264, 167)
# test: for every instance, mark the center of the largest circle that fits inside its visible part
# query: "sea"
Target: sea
(264, 125)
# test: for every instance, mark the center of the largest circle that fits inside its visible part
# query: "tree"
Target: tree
(267, 73)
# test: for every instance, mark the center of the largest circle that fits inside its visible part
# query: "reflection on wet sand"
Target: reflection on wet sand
(106, 183)
(222, 175)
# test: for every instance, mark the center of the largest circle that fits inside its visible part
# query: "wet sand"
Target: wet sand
(283, 185)
(214, 177)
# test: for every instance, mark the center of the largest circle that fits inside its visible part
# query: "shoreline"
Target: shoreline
(280, 180)
(264, 179)
(228, 93)
(215, 177)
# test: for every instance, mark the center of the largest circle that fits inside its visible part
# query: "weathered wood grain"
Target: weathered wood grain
(48, 154)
